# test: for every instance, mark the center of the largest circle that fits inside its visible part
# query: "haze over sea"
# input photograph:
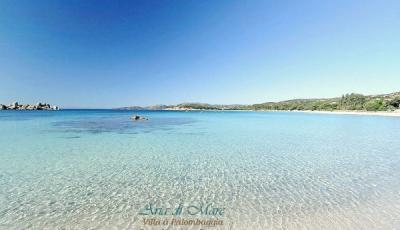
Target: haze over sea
(95, 169)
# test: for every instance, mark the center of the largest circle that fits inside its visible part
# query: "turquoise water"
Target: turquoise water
(96, 169)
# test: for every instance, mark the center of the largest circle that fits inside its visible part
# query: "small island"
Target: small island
(38, 106)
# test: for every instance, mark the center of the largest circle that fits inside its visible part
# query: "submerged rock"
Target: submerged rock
(137, 118)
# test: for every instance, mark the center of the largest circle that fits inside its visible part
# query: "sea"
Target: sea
(99, 169)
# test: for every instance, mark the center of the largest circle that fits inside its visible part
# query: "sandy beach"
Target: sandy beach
(395, 113)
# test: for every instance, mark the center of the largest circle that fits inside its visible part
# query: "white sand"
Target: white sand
(366, 113)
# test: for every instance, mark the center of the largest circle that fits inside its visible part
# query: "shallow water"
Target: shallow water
(96, 169)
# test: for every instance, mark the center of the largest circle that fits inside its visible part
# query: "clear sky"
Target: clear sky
(101, 54)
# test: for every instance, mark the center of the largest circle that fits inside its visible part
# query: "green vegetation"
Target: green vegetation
(395, 102)
(351, 101)
(375, 105)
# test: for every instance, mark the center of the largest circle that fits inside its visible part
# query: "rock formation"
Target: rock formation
(137, 118)
(38, 106)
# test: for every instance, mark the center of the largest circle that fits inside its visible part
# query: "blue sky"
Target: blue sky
(101, 54)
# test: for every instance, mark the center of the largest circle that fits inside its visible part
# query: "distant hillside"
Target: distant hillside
(183, 106)
(353, 101)
(152, 107)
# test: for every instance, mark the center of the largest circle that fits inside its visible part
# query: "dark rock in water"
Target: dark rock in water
(3, 107)
(137, 118)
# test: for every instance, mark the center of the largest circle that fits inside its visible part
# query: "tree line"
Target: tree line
(351, 101)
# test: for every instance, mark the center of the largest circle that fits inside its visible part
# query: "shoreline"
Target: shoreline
(363, 113)
(395, 113)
